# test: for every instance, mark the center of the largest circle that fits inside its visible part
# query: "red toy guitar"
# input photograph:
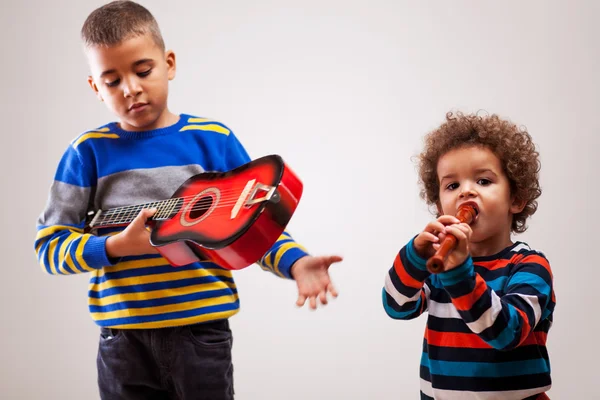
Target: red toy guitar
(231, 218)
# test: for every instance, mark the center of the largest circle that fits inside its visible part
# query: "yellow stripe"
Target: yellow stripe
(67, 254)
(95, 135)
(158, 294)
(190, 305)
(126, 265)
(210, 127)
(55, 228)
(79, 253)
(197, 120)
(141, 280)
(158, 262)
(281, 251)
(51, 250)
(182, 321)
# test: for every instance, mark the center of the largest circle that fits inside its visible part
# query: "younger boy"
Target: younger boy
(164, 330)
(492, 307)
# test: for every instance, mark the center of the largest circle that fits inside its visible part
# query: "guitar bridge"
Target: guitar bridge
(268, 190)
(248, 196)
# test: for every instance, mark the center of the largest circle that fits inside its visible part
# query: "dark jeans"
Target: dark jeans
(182, 363)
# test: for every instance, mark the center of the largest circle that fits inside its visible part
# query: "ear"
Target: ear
(517, 205)
(94, 88)
(171, 64)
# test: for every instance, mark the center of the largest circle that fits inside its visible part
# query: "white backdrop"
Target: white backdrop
(344, 91)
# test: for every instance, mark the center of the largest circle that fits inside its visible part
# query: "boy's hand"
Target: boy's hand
(462, 232)
(427, 242)
(134, 240)
(312, 277)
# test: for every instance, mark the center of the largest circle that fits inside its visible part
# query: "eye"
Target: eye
(452, 186)
(145, 73)
(113, 83)
(484, 182)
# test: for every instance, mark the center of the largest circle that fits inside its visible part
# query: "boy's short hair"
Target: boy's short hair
(511, 144)
(117, 21)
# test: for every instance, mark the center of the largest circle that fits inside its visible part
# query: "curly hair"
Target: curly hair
(511, 144)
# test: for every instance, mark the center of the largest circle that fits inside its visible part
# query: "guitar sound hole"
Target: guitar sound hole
(201, 207)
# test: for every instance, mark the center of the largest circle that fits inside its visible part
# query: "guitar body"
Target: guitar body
(231, 218)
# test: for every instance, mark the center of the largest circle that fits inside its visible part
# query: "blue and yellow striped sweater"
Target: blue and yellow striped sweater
(109, 167)
(487, 325)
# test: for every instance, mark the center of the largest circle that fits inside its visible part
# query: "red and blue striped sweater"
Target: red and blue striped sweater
(487, 325)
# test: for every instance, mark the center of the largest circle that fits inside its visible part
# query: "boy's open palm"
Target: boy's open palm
(312, 277)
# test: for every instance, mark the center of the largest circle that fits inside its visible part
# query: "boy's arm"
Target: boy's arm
(405, 296)
(502, 322)
(61, 245)
(285, 252)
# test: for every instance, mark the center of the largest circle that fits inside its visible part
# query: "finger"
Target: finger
(332, 290)
(333, 259)
(143, 215)
(301, 300)
(323, 297)
(313, 302)
(436, 246)
(429, 237)
(434, 226)
(448, 219)
(456, 232)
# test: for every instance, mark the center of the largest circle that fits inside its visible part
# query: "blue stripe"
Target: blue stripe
(527, 278)
(162, 301)
(73, 251)
(138, 272)
(288, 259)
(149, 287)
(398, 314)
(508, 333)
(488, 370)
(412, 256)
(170, 316)
(458, 274)
(497, 284)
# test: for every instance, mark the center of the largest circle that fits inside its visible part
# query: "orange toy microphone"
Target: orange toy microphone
(466, 213)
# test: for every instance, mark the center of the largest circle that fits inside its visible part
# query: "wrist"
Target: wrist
(295, 266)
(114, 248)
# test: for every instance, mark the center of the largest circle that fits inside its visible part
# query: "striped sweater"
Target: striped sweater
(488, 319)
(109, 167)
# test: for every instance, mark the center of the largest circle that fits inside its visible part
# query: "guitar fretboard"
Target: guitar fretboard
(124, 215)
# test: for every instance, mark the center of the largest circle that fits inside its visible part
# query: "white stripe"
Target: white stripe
(427, 294)
(396, 295)
(519, 247)
(487, 318)
(440, 394)
(443, 310)
(534, 303)
(426, 387)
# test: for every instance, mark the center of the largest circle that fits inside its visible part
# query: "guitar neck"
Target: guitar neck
(124, 215)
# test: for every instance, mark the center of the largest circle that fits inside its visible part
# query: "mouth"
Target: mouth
(474, 206)
(137, 107)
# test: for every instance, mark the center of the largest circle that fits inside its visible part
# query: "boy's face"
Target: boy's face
(475, 175)
(132, 78)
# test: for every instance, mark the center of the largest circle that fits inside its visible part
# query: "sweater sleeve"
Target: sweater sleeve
(503, 322)
(406, 293)
(280, 258)
(61, 246)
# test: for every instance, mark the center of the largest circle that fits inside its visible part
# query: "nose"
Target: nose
(131, 87)
(467, 191)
